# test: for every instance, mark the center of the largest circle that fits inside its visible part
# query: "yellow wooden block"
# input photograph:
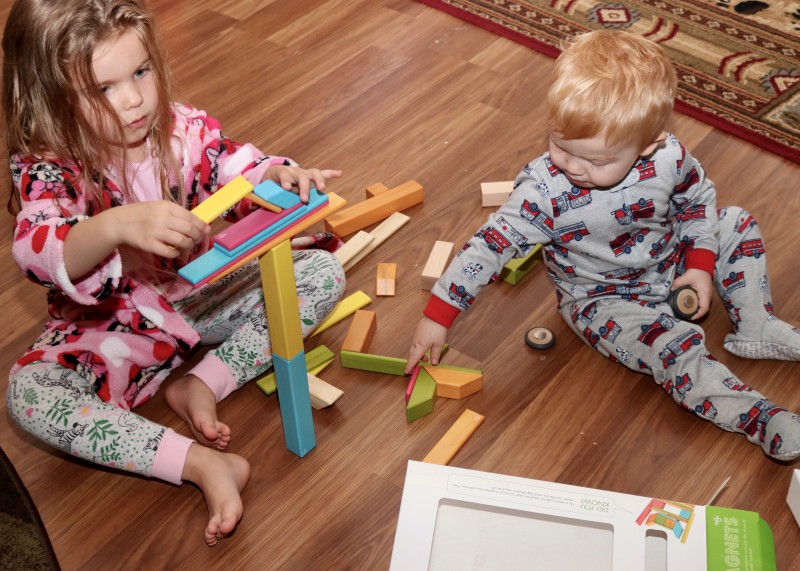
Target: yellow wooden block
(385, 280)
(223, 199)
(347, 306)
(280, 299)
(455, 382)
(335, 202)
(454, 438)
(375, 209)
(362, 329)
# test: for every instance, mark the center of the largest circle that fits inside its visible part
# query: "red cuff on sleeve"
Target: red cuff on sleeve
(441, 312)
(700, 259)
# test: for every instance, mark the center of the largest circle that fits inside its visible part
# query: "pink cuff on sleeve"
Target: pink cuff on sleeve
(701, 259)
(216, 375)
(441, 312)
(171, 457)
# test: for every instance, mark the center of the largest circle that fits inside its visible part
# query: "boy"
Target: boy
(626, 215)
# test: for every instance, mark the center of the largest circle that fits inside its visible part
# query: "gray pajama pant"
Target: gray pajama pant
(56, 404)
(649, 338)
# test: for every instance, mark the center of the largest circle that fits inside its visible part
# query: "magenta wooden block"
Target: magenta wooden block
(237, 234)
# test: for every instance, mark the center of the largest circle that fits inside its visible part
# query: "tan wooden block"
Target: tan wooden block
(381, 233)
(386, 277)
(455, 382)
(362, 329)
(496, 193)
(322, 394)
(436, 264)
(353, 247)
(455, 437)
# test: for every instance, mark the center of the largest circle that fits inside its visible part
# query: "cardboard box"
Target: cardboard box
(793, 497)
(453, 518)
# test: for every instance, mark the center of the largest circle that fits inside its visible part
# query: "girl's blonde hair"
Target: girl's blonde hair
(47, 70)
(614, 84)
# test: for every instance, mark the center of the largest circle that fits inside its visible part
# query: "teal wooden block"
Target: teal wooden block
(423, 397)
(295, 403)
(374, 363)
(276, 194)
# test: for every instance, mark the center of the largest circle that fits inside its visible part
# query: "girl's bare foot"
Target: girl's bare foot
(221, 477)
(195, 403)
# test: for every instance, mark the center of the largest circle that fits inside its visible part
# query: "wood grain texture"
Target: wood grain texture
(390, 90)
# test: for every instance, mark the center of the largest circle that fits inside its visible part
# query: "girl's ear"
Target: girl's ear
(651, 148)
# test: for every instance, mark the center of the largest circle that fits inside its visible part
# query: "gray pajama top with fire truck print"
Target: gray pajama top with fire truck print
(623, 242)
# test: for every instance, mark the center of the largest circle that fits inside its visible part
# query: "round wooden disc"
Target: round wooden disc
(540, 338)
(684, 302)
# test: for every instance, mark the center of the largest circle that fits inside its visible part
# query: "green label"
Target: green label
(738, 541)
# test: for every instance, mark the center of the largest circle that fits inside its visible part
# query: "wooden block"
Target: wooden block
(280, 300)
(518, 268)
(322, 394)
(793, 497)
(381, 233)
(295, 403)
(316, 359)
(455, 382)
(251, 225)
(423, 397)
(375, 209)
(374, 363)
(376, 189)
(345, 307)
(385, 279)
(255, 199)
(362, 329)
(496, 193)
(411, 382)
(215, 264)
(225, 197)
(353, 246)
(437, 263)
(454, 438)
(273, 193)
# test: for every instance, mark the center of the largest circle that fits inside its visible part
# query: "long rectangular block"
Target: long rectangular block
(316, 359)
(254, 223)
(345, 307)
(225, 197)
(280, 300)
(380, 233)
(375, 209)
(454, 438)
(294, 399)
(353, 247)
(437, 263)
(374, 363)
(272, 192)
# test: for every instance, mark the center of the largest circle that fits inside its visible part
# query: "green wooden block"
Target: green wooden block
(316, 357)
(374, 363)
(464, 369)
(518, 268)
(422, 397)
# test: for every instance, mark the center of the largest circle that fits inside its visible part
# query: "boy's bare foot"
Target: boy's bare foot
(196, 404)
(221, 477)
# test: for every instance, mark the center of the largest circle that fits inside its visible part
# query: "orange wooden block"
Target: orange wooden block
(362, 329)
(376, 189)
(385, 282)
(454, 438)
(375, 209)
(455, 382)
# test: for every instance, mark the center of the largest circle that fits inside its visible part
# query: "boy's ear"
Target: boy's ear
(650, 149)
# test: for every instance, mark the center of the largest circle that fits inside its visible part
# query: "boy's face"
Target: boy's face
(591, 163)
(122, 68)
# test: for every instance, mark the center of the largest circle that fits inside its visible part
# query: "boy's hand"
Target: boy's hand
(428, 335)
(303, 179)
(702, 283)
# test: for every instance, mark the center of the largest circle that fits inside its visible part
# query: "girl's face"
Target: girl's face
(122, 68)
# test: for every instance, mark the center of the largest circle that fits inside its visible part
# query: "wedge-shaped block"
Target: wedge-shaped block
(362, 329)
(386, 279)
(380, 233)
(423, 397)
(436, 264)
(374, 363)
(316, 359)
(280, 300)
(295, 403)
(518, 268)
(454, 438)
(455, 382)
(222, 200)
(345, 307)
(274, 193)
(322, 394)
(375, 209)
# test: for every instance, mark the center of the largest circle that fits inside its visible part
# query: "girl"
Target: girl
(106, 169)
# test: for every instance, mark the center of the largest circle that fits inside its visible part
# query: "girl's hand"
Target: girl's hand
(159, 227)
(702, 283)
(428, 335)
(303, 179)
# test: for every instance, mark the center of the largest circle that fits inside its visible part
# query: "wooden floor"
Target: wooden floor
(390, 90)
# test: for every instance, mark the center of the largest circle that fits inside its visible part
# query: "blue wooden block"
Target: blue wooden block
(295, 403)
(216, 258)
(275, 194)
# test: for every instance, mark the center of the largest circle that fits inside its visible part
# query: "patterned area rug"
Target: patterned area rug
(738, 61)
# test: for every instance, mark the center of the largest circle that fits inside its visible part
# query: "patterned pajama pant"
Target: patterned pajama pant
(56, 404)
(648, 338)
